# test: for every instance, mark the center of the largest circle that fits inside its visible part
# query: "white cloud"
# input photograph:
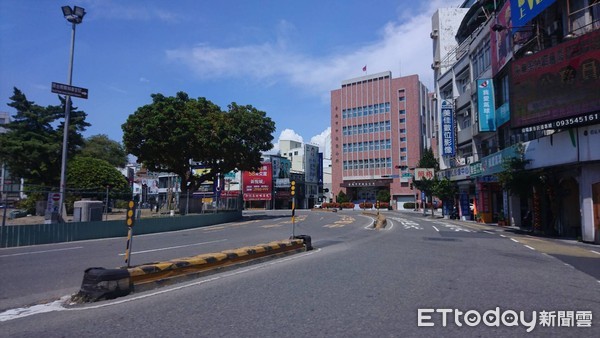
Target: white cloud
(287, 135)
(290, 135)
(403, 46)
(323, 140)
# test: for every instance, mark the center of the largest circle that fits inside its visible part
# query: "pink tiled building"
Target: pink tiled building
(379, 128)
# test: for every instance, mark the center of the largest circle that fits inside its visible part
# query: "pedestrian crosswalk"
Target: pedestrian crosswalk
(408, 224)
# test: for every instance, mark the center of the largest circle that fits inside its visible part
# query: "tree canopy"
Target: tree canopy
(172, 132)
(427, 160)
(91, 176)
(101, 147)
(32, 144)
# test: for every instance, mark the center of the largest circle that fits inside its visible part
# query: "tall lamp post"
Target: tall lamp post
(74, 16)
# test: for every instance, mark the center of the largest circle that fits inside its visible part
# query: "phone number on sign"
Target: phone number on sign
(577, 120)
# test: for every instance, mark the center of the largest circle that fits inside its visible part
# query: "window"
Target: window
(403, 139)
(402, 131)
(403, 120)
(584, 16)
(295, 152)
(403, 149)
(402, 112)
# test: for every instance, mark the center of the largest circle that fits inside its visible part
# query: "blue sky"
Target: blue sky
(281, 56)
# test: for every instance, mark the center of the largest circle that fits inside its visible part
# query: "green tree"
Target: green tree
(101, 147)
(383, 196)
(514, 177)
(172, 132)
(32, 144)
(88, 178)
(445, 190)
(342, 197)
(427, 160)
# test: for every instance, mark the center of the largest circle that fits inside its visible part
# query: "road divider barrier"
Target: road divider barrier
(380, 219)
(100, 283)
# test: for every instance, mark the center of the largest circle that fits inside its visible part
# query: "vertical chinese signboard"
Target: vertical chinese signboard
(485, 105)
(257, 186)
(448, 148)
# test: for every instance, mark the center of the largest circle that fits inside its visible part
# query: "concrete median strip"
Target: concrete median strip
(101, 283)
(380, 219)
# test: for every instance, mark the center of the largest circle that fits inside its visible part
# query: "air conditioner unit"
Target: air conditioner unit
(434, 96)
(460, 161)
(433, 34)
(470, 160)
(435, 65)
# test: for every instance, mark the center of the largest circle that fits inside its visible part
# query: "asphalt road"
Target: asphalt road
(358, 282)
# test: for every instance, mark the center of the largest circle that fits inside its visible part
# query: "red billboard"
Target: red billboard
(257, 186)
(557, 87)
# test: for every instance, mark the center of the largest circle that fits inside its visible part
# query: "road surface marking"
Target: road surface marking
(174, 247)
(596, 252)
(436, 229)
(40, 252)
(489, 232)
(514, 240)
(527, 246)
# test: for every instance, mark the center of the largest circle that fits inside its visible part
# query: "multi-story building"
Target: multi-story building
(524, 81)
(379, 124)
(308, 161)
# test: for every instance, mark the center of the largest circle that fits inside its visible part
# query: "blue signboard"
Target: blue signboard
(502, 114)
(485, 105)
(522, 11)
(447, 123)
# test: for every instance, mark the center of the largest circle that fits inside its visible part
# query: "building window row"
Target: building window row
(372, 109)
(371, 163)
(366, 146)
(367, 128)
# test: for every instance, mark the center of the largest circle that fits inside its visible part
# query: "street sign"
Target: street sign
(60, 88)
(424, 173)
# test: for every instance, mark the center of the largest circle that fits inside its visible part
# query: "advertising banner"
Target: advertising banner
(557, 87)
(257, 186)
(502, 39)
(448, 147)
(485, 105)
(525, 10)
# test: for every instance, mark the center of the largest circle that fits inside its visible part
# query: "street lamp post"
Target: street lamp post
(74, 16)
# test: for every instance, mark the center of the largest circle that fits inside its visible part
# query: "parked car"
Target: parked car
(318, 206)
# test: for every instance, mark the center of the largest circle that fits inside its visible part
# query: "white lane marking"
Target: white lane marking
(408, 224)
(436, 229)
(173, 247)
(40, 252)
(527, 246)
(488, 232)
(502, 236)
(514, 240)
(596, 252)
(58, 305)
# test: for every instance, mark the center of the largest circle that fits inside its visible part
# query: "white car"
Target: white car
(318, 206)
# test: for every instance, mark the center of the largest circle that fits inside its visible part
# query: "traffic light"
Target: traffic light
(293, 188)
(130, 214)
